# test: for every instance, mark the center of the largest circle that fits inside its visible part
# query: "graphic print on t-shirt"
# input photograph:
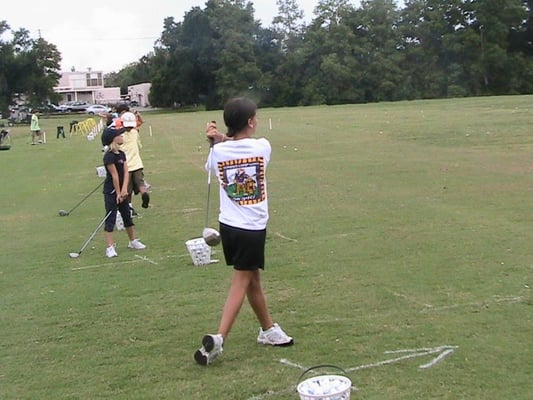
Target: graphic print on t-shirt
(244, 179)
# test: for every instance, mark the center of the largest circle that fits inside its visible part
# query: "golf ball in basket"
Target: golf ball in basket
(324, 386)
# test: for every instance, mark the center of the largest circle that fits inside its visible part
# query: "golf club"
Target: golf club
(63, 213)
(76, 255)
(210, 235)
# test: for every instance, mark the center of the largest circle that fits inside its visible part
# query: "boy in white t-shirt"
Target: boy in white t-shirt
(240, 162)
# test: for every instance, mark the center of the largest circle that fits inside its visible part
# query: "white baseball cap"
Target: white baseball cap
(128, 120)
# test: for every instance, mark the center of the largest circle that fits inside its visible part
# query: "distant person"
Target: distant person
(139, 119)
(131, 147)
(35, 127)
(116, 191)
(121, 109)
(242, 222)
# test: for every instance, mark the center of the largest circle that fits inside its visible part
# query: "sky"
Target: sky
(106, 36)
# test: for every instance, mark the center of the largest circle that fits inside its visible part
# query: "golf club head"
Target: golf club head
(211, 236)
(73, 255)
(63, 213)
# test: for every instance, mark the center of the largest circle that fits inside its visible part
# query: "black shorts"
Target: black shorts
(110, 200)
(243, 248)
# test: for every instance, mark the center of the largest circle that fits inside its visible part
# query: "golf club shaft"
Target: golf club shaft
(94, 233)
(86, 197)
(209, 159)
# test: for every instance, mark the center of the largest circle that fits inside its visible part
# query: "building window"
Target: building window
(94, 79)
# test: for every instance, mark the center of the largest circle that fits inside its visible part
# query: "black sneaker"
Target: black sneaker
(146, 199)
(211, 348)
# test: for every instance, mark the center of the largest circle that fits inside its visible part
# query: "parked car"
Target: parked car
(74, 106)
(97, 109)
(50, 108)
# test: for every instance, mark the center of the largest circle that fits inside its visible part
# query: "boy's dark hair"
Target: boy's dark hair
(122, 107)
(237, 112)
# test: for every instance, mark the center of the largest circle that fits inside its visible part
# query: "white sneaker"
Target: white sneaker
(110, 252)
(136, 244)
(211, 348)
(274, 336)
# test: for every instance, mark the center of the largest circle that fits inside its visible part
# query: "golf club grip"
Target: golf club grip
(209, 162)
(94, 233)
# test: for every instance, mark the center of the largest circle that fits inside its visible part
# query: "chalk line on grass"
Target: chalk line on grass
(291, 364)
(485, 303)
(144, 258)
(437, 359)
(139, 259)
(103, 265)
(189, 210)
(410, 299)
(442, 351)
(285, 237)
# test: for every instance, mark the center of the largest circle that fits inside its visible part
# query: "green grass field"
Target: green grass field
(398, 231)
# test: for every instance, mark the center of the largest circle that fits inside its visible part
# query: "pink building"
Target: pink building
(89, 87)
(86, 86)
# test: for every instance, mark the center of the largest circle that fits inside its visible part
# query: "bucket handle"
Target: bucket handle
(320, 366)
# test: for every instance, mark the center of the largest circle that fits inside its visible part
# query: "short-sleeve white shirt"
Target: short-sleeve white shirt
(240, 166)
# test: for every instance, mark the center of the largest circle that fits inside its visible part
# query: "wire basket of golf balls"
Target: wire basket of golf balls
(199, 250)
(324, 387)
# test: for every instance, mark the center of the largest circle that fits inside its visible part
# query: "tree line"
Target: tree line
(29, 68)
(377, 51)
(346, 54)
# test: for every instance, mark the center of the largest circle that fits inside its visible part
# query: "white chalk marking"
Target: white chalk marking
(285, 237)
(103, 265)
(495, 300)
(287, 362)
(437, 359)
(144, 258)
(189, 210)
(444, 350)
(413, 353)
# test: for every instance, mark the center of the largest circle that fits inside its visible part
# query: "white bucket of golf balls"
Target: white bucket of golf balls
(199, 250)
(324, 387)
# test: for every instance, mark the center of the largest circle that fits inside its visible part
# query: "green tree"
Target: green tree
(238, 70)
(29, 68)
(494, 21)
(427, 28)
(288, 24)
(132, 74)
(379, 49)
(45, 62)
(324, 62)
(6, 65)
(376, 52)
